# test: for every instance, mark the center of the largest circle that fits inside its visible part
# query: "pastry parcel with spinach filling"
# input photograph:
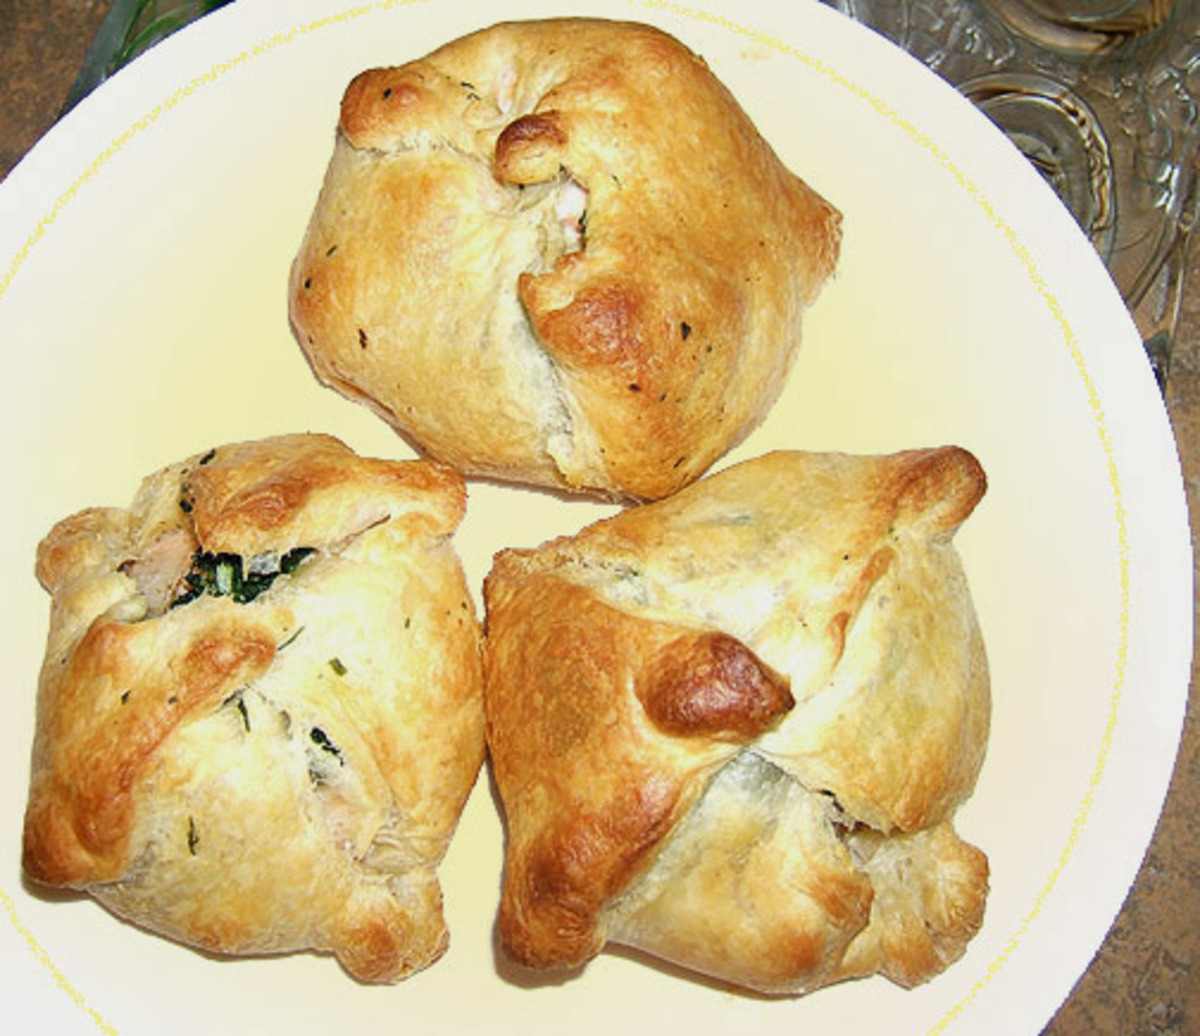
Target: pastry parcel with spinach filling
(260, 708)
(732, 729)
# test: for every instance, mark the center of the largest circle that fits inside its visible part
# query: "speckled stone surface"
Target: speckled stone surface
(42, 45)
(1146, 977)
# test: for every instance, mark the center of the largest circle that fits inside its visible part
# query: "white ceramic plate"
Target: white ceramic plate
(144, 247)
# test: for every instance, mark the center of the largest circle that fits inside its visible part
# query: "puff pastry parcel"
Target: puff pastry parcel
(731, 729)
(260, 709)
(558, 252)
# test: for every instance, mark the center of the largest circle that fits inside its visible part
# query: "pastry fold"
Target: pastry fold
(260, 711)
(732, 728)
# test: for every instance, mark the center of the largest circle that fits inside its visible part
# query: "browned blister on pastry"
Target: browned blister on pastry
(260, 711)
(731, 729)
(558, 252)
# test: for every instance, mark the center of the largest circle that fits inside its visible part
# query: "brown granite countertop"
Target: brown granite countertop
(1146, 977)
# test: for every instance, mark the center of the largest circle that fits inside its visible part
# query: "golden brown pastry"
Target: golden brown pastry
(731, 729)
(260, 709)
(558, 252)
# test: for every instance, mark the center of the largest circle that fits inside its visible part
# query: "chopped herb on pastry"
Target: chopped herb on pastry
(559, 253)
(260, 709)
(731, 729)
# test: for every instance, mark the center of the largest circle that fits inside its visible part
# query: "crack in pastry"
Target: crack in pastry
(731, 729)
(260, 710)
(559, 253)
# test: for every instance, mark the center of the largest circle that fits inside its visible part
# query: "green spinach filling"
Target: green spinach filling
(226, 575)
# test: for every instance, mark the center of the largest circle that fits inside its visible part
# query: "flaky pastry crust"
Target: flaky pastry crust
(732, 728)
(260, 711)
(558, 252)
